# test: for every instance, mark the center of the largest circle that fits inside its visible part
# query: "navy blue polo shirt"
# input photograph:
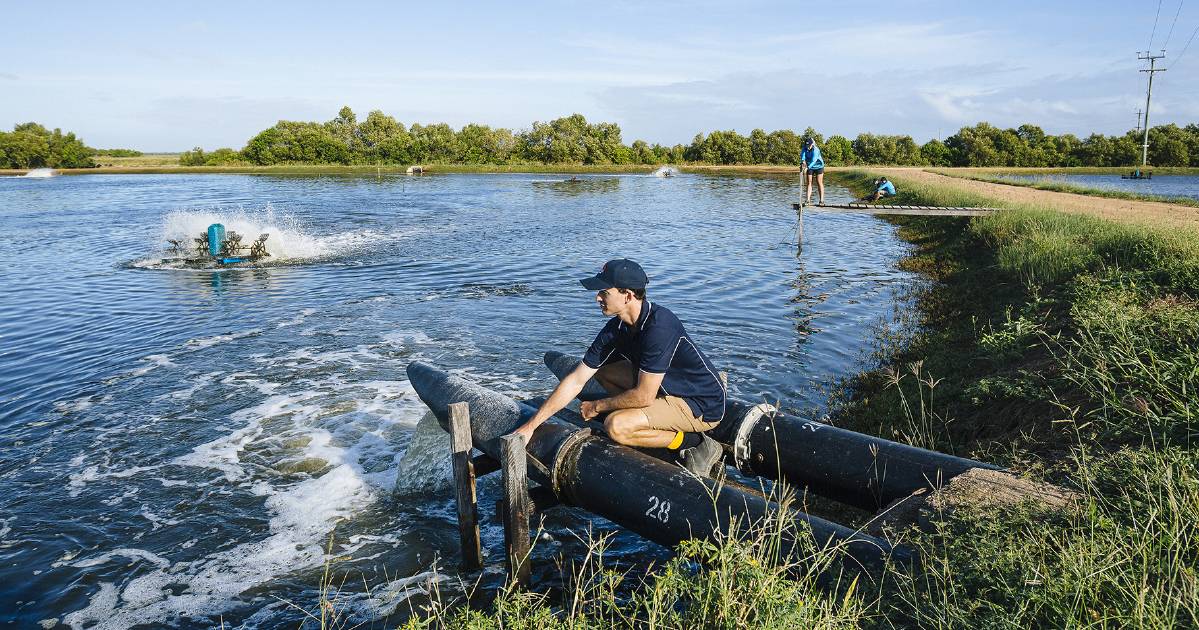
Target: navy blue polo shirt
(659, 344)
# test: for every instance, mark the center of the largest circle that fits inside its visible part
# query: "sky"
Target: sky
(169, 76)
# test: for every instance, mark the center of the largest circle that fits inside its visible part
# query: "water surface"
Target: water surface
(181, 446)
(1186, 186)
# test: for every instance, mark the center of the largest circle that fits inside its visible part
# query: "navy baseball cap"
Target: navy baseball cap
(621, 273)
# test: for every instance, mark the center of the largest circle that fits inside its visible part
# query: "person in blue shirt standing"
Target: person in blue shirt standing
(882, 188)
(813, 162)
(663, 391)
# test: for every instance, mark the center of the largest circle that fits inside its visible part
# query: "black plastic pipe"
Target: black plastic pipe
(853, 468)
(658, 500)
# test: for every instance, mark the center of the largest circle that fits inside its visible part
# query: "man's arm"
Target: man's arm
(565, 392)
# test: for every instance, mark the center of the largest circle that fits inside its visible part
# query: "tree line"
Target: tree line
(30, 145)
(381, 139)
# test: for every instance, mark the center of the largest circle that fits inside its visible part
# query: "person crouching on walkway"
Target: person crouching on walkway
(882, 188)
(813, 162)
(663, 391)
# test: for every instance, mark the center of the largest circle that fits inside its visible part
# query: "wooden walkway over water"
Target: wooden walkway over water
(868, 208)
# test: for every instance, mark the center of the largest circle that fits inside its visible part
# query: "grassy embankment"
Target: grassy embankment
(1067, 348)
(995, 176)
(1061, 346)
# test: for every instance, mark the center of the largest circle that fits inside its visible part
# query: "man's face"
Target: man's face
(610, 301)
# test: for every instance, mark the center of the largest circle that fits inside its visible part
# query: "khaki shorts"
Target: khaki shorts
(671, 413)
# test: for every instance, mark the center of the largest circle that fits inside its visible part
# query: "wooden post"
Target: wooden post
(464, 486)
(803, 176)
(516, 507)
(799, 226)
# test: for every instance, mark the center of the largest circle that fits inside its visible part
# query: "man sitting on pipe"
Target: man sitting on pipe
(663, 392)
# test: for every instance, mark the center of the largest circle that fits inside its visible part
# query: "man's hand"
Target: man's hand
(526, 430)
(588, 409)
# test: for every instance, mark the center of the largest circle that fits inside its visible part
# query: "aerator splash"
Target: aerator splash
(216, 247)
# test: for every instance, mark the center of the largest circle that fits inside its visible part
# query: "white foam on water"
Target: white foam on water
(208, 342)
(156, 521)
(298, 319)
(286, 238)
(332, 450)
(39, 173)
(120, 498)
(386, 393)
(407, 339)
(289, 240)
(383, 601)
(149, 364)
(198, 383)
(76, 481)
(224, 453)
(355, 358)
(82, 403)
(132, 554)
(266, 388)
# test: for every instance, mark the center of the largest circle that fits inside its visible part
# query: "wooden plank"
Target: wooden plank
(517, 508)
(904, 210)
(464, 486)
(484, 465)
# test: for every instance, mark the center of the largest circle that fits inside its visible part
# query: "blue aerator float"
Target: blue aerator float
(216, 247)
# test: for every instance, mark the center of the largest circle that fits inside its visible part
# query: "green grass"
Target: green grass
(739, 581)
(1066, 347)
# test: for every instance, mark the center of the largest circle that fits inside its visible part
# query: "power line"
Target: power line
(1154, 31)
(1171, 33)
(1184, 48)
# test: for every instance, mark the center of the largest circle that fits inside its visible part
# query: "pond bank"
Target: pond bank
(1123, 210)
(1067, 348)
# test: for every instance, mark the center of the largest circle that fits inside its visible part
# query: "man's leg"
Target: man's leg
(820, 184)
(809, 187)
(631, 428)
(667, 423)
(617, 377)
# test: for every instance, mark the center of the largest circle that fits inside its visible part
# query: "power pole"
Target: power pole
(1151, 58)
(1138, 121)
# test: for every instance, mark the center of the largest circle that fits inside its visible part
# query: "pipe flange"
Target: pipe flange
(745, 428)
(561, 467)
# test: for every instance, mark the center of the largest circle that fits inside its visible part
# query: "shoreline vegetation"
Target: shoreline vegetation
(381, 140)
(1063, 347)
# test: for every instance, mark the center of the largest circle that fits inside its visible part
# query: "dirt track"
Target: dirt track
(1153, 213)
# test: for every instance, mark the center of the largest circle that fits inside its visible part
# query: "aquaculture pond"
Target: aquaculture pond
(1186, 186)
(182, 446)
